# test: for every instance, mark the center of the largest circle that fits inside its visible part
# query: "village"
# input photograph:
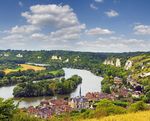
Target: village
(48, 108)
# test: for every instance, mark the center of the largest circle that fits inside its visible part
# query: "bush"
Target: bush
(138, 106)
(106, 88)
(7, 109)
(121, 103)
(106, 107)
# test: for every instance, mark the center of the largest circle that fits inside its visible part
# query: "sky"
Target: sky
(78, 25)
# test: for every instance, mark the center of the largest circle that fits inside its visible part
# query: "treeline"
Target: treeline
(13, 78)
(47, 87)
(45, 56)
(109, 72)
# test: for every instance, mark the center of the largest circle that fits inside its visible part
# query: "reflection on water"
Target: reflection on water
(90, 83)
(6, 92)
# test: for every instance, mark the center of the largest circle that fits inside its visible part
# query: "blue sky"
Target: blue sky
(80, 25)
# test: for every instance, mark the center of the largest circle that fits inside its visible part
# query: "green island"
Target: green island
(47, 87)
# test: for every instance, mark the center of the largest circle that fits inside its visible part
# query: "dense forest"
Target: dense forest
(47, 87)
(13, 78)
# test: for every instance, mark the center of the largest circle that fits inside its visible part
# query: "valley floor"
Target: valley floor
(139, 116)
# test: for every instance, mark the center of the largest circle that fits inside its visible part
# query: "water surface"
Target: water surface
(90, 83)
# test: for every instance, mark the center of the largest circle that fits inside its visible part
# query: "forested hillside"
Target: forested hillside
(57, 59)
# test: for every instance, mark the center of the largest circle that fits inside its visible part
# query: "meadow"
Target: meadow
(138, 116)
(23, 67)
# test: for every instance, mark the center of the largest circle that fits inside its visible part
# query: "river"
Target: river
(90, 83)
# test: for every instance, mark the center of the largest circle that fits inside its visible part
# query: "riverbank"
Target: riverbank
(90, 82)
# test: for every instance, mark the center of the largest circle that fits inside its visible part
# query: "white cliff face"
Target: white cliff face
(105, 62)
(6, 55)
(128, 65)
(60, 58)
(66, 61)
(118, 62)
(54, 57)
(113, 62)
(19, 55)
(39, 57)
(108, 62)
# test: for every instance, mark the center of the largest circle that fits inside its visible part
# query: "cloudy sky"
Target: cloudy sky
(80, 25)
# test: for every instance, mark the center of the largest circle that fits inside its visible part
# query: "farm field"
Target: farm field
(25, 67)
(139, 116)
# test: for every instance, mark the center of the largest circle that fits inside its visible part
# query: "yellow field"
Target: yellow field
(139, 116)
(36, 68)
(25, 67)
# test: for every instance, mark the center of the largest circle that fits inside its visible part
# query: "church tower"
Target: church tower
(80, 93)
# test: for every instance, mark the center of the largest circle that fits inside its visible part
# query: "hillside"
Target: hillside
(20, 56)
(140, 66)
(57, 59)
(139, 116)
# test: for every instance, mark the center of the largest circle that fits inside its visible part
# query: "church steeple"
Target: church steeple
(80, 93)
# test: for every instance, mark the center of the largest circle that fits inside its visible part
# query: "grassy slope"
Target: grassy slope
(139, 116)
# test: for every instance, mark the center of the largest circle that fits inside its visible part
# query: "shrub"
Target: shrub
(107, 107)
(138, 106)
(121, 103)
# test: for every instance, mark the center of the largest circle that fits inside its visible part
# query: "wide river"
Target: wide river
(90, 83)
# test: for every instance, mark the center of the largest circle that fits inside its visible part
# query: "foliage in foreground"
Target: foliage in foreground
(7, 109)
(104, 108)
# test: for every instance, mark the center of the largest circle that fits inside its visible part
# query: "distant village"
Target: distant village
(48, 108)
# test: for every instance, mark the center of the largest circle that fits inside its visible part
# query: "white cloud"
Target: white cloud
(39, 36)
(57, 27)
(112, 13)
(99, 1)
(93, 6)
(51, 15)
(70, 33)
(13, 37)
(61, 18)
(142, 29)
(114, 44)
(47, 25)
(25, 29)
(20, 4)
(99, 31)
